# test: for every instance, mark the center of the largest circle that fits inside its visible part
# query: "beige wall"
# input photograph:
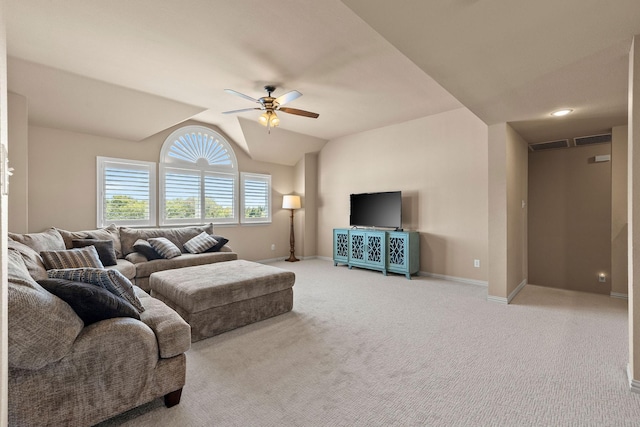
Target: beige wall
(62, 186)
(570, 218)
(306, 219)
(440, 165)
(508, 175)
(18, 156)
(619, 222)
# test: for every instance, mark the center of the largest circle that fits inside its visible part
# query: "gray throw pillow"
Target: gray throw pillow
(91, 303)
(106, 252)
(221, 242)
(72, 258)
(146, 249)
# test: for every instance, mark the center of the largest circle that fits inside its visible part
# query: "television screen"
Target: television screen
(376, 210)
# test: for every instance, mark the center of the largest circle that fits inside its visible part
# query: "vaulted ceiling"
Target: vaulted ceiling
(129, 69)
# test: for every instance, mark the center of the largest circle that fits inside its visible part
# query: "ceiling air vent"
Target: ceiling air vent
(593, 139)
(563, 143)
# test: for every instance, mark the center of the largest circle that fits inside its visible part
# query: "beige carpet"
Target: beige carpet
(362, 349)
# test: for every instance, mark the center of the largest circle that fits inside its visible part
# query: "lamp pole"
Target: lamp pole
(291, 202)
(292, 243)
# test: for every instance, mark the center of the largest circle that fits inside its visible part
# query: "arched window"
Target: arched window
(198, 178)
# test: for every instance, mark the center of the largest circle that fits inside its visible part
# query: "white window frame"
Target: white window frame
(246, 176)
(202, 151)
(102, 163)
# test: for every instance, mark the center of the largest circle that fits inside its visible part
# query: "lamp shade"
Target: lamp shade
(291, 202)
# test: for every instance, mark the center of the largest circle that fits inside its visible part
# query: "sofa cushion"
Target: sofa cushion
(145, 269)
(178, 236)
(200, 243)
(106, 252)
(165, 247)
(68, 236)
(90, 302)
(49, 240)
(125, 267)
(111, 280)
(145, 248)
(42, 328)
(72, 258)
(108, 233)
(32, 259)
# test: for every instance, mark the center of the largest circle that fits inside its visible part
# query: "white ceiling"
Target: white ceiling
(129, 69)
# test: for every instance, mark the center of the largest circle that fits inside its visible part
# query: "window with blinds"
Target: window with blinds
(126, 192)
(256, 198)
(198, 178)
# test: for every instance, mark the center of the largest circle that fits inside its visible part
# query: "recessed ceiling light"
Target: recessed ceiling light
(561, 113)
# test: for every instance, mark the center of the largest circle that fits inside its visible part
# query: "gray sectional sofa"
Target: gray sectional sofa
(64, 371)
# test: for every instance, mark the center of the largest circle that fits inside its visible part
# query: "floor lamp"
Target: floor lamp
(291, 202)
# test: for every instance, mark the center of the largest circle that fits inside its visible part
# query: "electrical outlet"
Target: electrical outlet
(602, 277)
(273, 246)
(476, 263)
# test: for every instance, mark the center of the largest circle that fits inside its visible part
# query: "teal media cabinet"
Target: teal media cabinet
(385, 251)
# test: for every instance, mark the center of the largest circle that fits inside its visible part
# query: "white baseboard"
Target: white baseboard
(634, 385)
(512, 295)
(453, 278)
(282, 258)
(619, 295)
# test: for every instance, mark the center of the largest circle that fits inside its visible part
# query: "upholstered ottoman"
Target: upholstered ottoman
(215, 298)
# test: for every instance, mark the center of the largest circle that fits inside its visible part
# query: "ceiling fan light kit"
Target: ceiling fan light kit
(269, 105)
(269, 119)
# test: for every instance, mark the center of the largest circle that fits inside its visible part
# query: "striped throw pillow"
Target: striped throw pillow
(164, 247)
(200, 243)
(111, 280)
(72, 258)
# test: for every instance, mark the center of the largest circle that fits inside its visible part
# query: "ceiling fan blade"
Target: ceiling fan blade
(241, 95)
(299, 112)
(288, 97)
(241, 111)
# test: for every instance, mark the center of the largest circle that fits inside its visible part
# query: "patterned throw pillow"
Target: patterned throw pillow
(200, 243)
(90, 302)
(111, 280)
(106, 252)
(164, 247)
(72, 258)
(146, 249)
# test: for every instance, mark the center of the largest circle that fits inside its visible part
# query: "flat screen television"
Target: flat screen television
(376, 210)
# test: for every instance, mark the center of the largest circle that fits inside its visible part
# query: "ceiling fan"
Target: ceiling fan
(270, 105)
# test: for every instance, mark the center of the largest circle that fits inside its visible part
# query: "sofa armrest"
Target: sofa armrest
(172, 332)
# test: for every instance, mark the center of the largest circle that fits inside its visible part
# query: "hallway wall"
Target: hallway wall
(570, 218)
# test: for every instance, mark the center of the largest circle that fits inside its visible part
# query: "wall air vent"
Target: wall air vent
(563, 143)
(593, 139)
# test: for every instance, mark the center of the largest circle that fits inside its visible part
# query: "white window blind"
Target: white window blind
(126, 192)
(220, 197)
(182, 191)
(256, 198)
